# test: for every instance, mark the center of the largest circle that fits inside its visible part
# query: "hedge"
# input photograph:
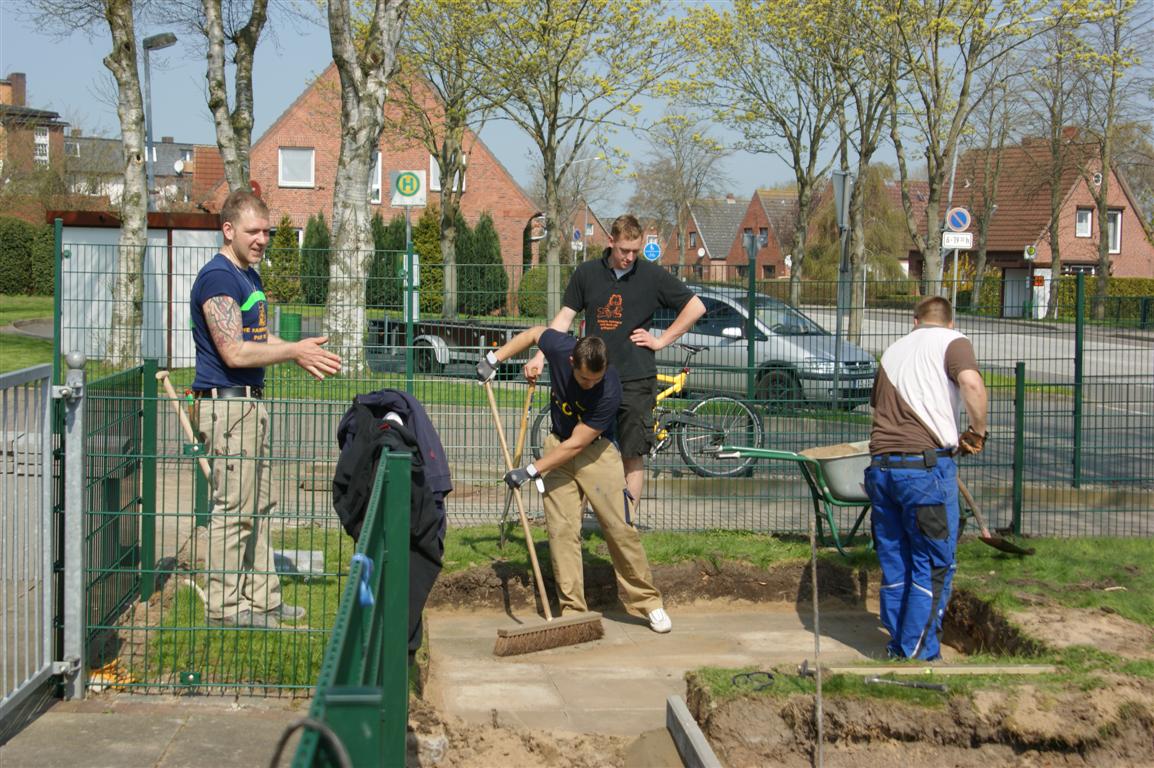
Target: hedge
(27, 262)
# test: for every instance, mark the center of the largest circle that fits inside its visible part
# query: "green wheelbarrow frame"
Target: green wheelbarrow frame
(825, 502)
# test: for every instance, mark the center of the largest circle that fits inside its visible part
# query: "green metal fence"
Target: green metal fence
(1072, 408)
(362, 691)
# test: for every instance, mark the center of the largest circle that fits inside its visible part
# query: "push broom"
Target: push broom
(554, 633)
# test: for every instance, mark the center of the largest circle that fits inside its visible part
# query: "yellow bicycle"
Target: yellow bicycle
(699, 428)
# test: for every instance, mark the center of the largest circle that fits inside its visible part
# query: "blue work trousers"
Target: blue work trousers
(915, 526)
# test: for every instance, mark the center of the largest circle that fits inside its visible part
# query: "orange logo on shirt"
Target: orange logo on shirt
(609, 316)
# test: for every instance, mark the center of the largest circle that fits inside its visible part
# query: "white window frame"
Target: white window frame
(1084, 222)
(41, 145)
(301, 183)
(375, 179)
(72, 149)
(1114, 230)
(435, 176)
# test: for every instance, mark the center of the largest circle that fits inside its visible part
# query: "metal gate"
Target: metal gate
(26, 541)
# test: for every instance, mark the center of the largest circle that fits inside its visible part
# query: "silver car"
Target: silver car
(793, 357)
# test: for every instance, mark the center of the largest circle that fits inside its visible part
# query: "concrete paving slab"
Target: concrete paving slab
(619, 684)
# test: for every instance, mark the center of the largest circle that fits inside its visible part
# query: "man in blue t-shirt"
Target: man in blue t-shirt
(581, 462)
(233, 346)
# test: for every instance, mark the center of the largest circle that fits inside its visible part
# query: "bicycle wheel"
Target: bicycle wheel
(711, 423)
(542, 426)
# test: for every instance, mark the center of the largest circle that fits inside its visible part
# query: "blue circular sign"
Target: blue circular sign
(652, 251)
(958, 219)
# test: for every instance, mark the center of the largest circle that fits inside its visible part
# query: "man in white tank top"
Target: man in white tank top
(912, 477)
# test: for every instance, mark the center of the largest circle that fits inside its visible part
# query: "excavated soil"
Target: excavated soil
(1109, 725)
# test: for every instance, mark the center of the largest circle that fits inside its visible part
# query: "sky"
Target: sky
(69, 77)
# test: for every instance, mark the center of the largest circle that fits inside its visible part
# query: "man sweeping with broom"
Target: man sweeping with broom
(581, 462)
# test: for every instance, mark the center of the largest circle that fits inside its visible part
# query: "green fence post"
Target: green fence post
(750, 319)
(1019, 441)
(148, 404)
(1079, 359)
(395, 648)
(57, 296)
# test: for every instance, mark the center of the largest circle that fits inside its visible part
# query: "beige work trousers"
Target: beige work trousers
(595, 474)
(241, 575)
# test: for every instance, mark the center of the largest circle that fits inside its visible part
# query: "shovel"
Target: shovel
(997, 542)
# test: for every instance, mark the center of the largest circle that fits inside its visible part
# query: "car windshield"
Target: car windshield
(785, 320)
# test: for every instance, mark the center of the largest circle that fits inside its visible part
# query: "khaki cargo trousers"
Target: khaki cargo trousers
(241, 575)
(596, 475)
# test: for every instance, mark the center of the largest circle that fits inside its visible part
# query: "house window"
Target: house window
(375, 179)
(72, 148)
(1083, 222)
(435, 176)
(589, 229)
(762, 237)
(651, 239)
(743, 272)
(768, 270)
(692, 239)
(186, 155)
(1114, 230)
(296, 167)
(40, 148)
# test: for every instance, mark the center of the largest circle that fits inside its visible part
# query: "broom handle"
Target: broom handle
(520, 504)
(974, 508)
(162, 377)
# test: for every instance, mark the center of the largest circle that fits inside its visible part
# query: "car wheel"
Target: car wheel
(778, 390)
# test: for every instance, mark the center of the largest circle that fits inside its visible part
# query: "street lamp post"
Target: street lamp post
(153, 43)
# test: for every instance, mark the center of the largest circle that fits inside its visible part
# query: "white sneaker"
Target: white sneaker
(659, 621)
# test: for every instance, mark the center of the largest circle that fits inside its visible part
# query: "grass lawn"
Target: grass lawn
(18, 351)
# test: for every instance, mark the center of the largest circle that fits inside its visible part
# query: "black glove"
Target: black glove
(487, 368)
(515, 478)
(971, 443)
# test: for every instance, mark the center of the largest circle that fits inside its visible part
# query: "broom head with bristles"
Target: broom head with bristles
(540, 636)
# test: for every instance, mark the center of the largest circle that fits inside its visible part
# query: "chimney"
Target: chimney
(165, 139)
(18, 82)
(729, 198)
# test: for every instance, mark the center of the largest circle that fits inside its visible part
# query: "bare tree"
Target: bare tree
(119, 16)
(683, 164)
(365, 56)
(439, 93)
(567, 73)
(762, 69)
(590, 181)
(1113, 86)
(942, 47)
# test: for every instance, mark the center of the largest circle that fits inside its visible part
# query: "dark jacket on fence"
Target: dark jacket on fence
(364, 432)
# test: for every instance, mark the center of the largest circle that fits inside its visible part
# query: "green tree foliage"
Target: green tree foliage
(484, 281)
(427, 245)
(531, 294)
(383, 289)
(315, 261)
(27, 265)
(282, 272)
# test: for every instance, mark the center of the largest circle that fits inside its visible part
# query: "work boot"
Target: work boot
(248, 620)
(286, 612)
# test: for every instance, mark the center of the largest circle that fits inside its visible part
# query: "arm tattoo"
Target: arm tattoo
(222, 315)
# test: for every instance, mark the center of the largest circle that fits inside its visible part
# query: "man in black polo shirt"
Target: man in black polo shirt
(619, 293)
(581, 462)
(233, 346)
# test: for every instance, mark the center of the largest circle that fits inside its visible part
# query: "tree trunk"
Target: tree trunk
(233, 129)
(451, 168)
(801, 223)
(365, 64)
(128, 287)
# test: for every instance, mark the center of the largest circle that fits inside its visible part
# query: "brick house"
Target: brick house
(30, 138)
(770, 218)
(709, 251)
(1021, 220)
(294, 166)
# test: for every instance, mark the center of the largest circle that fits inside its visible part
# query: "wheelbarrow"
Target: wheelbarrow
(835, 475)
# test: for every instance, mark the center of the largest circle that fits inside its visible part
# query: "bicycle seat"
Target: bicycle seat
(694, 348)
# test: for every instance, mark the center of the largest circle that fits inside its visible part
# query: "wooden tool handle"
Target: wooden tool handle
(974, 508)
(520, 503)
(519, 448)
(162, 377)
